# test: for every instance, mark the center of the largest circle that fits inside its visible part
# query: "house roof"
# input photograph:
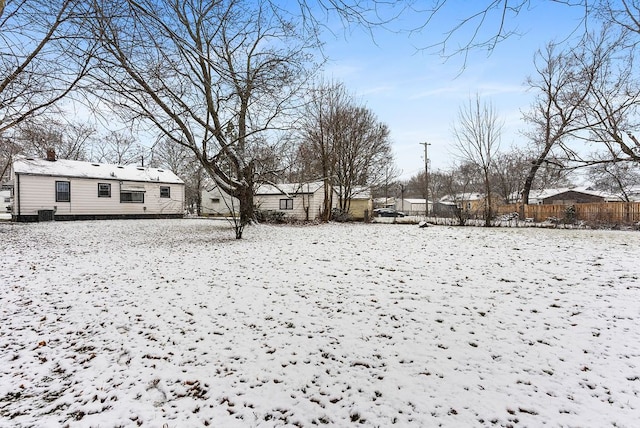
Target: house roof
(414, 200)
(288, 188)
(549, 193)
(462, 197)
(80, 169)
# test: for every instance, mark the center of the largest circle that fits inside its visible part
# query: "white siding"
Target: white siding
(215, 202)
(33, 193)
(272, 203)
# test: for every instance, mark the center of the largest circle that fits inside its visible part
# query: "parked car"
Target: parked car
(510, 216)
(388, 212)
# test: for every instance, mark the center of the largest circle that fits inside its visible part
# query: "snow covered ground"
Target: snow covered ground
(175, 323)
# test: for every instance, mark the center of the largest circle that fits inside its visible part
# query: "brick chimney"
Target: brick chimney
(51, 155)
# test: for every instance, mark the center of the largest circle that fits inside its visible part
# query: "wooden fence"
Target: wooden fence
(599, 213)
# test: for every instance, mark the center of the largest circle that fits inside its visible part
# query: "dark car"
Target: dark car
(388, 212)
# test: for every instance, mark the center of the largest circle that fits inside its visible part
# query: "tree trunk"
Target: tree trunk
(245, 197)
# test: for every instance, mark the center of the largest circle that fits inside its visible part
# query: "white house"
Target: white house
(215, 202)
(300, 201)
(58, 189)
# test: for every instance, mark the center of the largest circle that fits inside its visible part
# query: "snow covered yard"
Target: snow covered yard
(174, 323)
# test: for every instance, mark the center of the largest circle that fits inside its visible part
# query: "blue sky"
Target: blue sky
(419, 95)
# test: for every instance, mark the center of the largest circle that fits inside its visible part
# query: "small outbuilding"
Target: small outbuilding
(360, 204)
(59, 189)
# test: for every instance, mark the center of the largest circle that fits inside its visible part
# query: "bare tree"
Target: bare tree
(509, 172)
(183, 162)
(563, 83)
(317, 151)
(621, 13)
(42, 57)
(362, 152)
(215, 77)
(612, 107)
(615, 177)
(349, 147)
(477, 133)
(118, 147)
(8, 149)
(478, 26)
(68, 140)
(389, 181)
(458, 183)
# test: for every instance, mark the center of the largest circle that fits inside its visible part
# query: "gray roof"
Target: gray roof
(80, 169)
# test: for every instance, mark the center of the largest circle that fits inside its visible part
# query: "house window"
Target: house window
(104, 190)
(131, 196)
(165, 191)
(286, 204)
(63, 191)
(215, 200)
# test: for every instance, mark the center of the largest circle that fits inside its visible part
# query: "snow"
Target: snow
(72, 168)
(174, 323)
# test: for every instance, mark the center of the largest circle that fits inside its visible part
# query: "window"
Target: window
(165, 191)
(131, 196)
(215, 200)
(104, 190)
(286, 204)
(63, 191)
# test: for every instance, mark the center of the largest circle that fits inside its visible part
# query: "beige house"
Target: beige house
(361, 205)
(58, 189)
(472, 202)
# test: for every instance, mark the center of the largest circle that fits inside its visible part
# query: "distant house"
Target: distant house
(565, 196)
(299, 201)
(59, 189)
(472, 201)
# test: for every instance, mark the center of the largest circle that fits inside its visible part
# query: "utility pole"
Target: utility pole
(426, 179)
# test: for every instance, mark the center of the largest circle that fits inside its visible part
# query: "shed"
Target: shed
(361, 204)
(60, 189)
